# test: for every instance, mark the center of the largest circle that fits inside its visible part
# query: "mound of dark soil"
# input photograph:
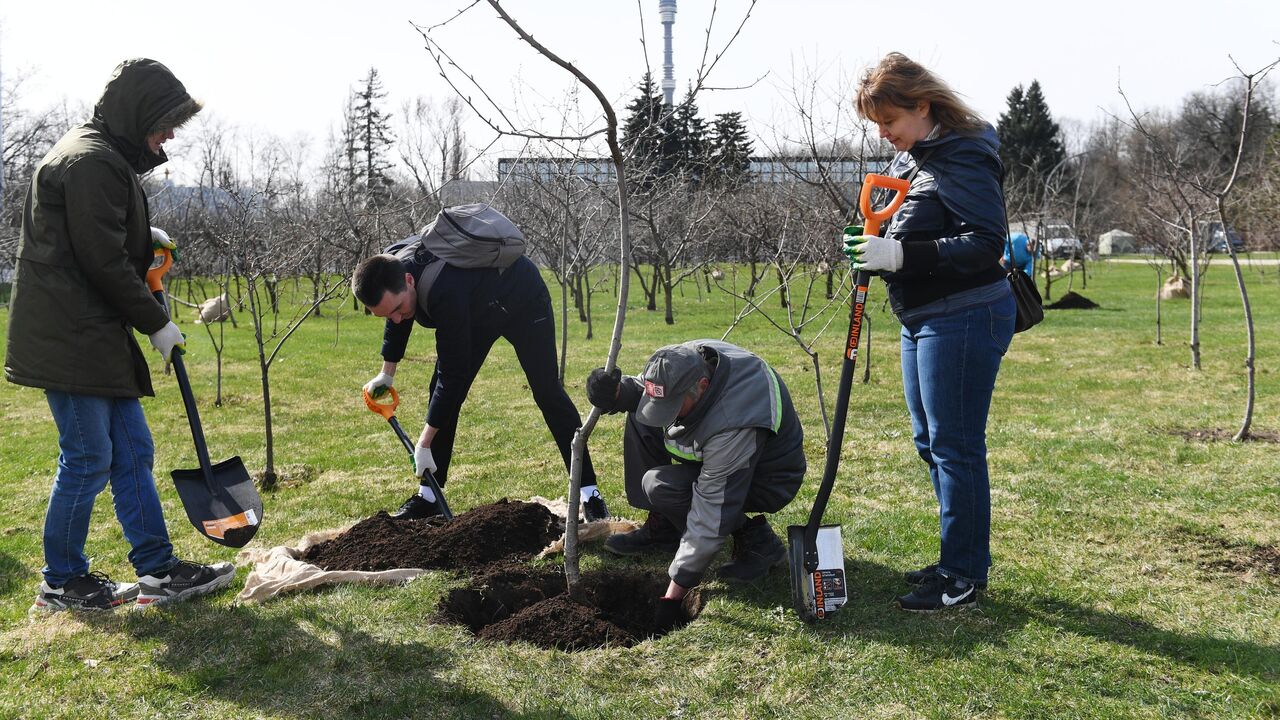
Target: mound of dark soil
(504, 531)
(514, 603)
(505, 599)
(1072, 301)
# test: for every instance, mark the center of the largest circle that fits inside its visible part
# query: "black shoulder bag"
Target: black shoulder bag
(1026, 297)
(1029, 307)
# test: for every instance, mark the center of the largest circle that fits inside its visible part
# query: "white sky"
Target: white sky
(285, 67)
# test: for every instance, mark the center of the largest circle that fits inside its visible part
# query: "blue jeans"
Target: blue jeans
(102, 440)
(949, 366)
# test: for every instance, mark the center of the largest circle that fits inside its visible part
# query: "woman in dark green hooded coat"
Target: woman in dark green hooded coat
(79, 291)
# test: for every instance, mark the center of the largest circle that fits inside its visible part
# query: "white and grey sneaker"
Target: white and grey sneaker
(94, 591)
(184, 580)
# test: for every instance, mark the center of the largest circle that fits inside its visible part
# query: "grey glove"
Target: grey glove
(167, 338)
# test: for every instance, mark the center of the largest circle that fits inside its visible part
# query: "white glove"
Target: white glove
(422, 460)
(382, 380)
(166, 339)
(160, 238)
(873, 253)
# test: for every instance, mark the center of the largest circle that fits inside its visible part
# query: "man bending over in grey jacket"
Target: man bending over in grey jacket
(711, 436)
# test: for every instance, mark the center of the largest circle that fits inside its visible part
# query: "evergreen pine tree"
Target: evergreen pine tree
(690, 142)
(1030, 141)
(372, 140)
(730, 150)
(644, 135)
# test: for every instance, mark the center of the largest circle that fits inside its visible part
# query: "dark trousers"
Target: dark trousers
(657, 483)
(532, 332)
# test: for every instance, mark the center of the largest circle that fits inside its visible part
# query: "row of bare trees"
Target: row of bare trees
(260, 213)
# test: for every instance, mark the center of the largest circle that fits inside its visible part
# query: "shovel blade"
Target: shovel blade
(224, 507)
(817, 593)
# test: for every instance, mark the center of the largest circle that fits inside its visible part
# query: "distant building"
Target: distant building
(597, 170)
(763, 169)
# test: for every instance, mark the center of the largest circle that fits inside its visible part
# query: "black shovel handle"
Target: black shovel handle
(834, 443)
(189, 402)
(427, 478)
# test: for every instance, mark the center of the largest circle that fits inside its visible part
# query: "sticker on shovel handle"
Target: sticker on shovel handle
(220, 527)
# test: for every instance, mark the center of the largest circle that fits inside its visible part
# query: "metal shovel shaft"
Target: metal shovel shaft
(834, 443)
(428, 479)
(193, 413)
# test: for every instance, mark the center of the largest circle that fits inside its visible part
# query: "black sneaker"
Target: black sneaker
(756, 548)
(940, 593)
(184, 580)
(656, 534)
(417, 508)
(921, 576)
(94, 591)
(594, 508)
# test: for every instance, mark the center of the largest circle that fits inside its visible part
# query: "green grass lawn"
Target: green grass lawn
(1123, 583)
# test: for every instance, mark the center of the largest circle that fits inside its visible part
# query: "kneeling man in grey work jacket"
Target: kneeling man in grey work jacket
(711, 436)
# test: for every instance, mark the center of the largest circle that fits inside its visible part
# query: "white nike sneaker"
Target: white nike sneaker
(940, 593)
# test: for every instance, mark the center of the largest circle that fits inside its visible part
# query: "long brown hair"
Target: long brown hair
(899, 81)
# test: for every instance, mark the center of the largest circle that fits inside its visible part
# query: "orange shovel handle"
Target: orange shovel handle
(385, 409)
(874, 218)
(160, 265)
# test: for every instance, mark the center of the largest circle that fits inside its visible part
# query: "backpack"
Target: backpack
(465, 236)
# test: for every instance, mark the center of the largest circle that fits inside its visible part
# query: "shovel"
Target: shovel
(221, 500)
(815, 551)
(385, 405)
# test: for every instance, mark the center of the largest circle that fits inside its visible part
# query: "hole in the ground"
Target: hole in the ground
(609, 608)
(505, 599)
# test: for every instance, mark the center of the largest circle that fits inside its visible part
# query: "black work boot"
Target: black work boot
(656, 534)
(756, 548)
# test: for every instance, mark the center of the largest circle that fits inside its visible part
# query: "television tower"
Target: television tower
(667, 9)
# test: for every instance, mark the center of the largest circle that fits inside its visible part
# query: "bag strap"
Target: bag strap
(919, 164)
(1008, 238)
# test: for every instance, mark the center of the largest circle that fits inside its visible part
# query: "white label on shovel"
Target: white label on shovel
(829, 589)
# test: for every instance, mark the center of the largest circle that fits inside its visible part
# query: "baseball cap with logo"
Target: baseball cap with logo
(670, 374)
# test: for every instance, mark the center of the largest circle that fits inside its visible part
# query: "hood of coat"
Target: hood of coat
(142, 97)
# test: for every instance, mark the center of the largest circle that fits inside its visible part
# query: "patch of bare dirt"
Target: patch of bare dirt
(1223, 435)
(1230, 557)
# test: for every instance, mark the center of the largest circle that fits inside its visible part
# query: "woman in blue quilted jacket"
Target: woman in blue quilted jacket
(940, 260)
